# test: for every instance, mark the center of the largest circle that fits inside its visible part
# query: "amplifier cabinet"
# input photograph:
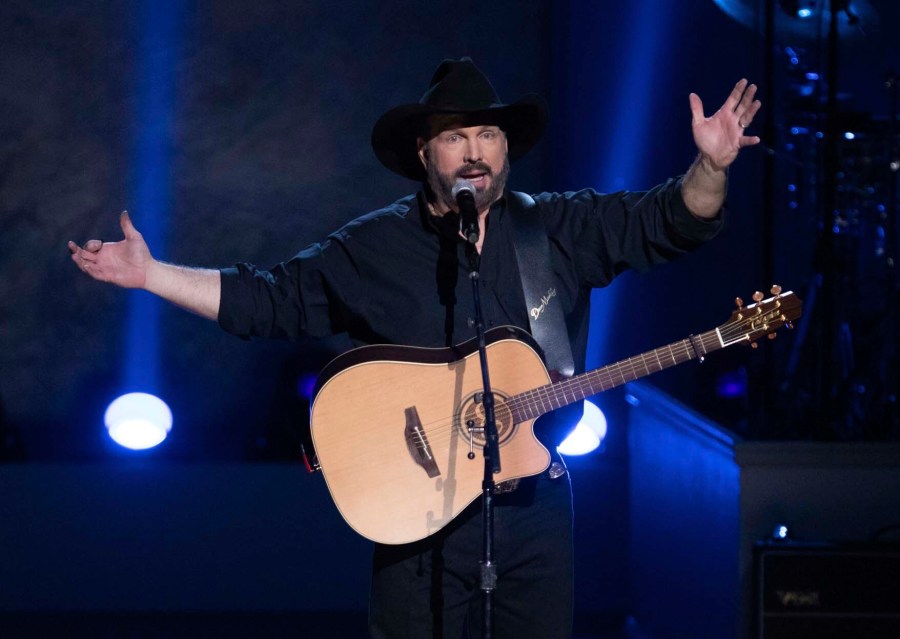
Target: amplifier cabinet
(827, 591)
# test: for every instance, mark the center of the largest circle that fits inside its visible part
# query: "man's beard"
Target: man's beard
(442, 185)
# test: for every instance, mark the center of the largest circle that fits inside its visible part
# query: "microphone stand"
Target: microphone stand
(491, 452)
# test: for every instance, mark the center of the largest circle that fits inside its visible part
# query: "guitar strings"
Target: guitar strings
(551, 396)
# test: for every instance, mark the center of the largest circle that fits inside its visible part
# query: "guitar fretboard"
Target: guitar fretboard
(534, 403)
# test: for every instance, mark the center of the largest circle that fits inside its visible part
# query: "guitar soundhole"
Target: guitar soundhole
(471, 424)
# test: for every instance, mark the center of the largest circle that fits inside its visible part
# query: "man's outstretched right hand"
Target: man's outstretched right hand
(123, 263)
(128, 264)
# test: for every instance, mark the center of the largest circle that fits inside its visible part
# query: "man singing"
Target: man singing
(400, 275)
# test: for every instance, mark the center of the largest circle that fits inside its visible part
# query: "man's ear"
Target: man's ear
(422, 151)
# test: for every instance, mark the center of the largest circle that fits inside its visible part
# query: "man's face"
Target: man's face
(475, 153)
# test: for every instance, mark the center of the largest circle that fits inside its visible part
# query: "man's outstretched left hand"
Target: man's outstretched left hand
(720, 137)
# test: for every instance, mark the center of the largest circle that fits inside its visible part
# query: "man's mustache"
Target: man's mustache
(479, 167)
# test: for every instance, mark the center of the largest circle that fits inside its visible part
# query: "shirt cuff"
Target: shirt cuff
(689, 225)
(232, 305)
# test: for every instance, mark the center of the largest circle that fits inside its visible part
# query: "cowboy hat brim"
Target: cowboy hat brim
(395, 133)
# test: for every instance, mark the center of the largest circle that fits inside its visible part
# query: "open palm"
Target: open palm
(123, 263)
(721, 136)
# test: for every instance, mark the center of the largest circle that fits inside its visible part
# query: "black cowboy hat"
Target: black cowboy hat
(457, 87)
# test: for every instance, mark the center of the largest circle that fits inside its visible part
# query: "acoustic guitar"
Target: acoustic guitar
(394, 429)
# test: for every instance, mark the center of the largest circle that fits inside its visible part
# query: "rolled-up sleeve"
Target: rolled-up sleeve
(288, 301)
(606, 234)
(327, 288)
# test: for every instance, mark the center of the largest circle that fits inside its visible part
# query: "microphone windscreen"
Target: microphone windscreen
(462, 185)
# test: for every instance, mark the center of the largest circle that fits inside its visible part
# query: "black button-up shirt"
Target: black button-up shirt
(399, 275)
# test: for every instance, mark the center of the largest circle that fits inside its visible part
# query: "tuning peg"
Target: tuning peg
(775, 290)
(758, 296)
(772, 335)
(754, 345)
(739, 302)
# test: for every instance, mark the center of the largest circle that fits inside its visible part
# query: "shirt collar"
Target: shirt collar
(448, 225)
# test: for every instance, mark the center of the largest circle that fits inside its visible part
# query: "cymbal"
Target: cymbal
(852, 24)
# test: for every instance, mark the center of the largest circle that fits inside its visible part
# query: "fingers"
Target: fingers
(747, 107)
(740, 102)
(88, 253)
(746, 99)
(84, 260)
(127, 227)
(697, 116)
(734, 98)
(84, 254)
(92, 247)
(746, 117)
(750, 140)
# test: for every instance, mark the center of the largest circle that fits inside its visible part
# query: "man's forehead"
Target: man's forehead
(439, 122)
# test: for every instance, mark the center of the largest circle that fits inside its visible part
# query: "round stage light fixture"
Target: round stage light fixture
(138, 421)
(588, 434)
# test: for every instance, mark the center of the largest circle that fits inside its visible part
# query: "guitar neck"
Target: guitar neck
(534, 403)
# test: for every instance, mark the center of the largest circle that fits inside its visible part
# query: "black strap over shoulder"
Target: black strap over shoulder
(545, 313)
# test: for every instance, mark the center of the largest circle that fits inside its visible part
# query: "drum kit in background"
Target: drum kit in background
(833, 142)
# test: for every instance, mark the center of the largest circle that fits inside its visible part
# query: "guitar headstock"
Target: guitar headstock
(763, 317)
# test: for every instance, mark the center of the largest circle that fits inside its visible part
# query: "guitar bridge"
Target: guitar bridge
(417, 443)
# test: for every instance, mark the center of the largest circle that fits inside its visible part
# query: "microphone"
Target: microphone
(464, 194)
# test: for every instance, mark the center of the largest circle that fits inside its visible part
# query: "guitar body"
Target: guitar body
(392, 431)
(392, 427)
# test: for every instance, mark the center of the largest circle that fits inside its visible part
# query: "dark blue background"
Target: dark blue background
(262, 123)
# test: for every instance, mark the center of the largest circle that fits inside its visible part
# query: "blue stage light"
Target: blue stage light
(588, 434)
(138, 420)
(733, 384)
(306, 383)
(157, 41)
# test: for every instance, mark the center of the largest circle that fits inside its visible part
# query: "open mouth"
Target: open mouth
(478, 179)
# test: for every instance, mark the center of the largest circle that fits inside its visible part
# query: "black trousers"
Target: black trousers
(430, 589)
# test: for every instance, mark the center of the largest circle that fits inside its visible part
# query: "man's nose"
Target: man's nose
(473, 151)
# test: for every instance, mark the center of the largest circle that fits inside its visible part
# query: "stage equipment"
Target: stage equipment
(827, 590)
(138, 421)
(831, 190)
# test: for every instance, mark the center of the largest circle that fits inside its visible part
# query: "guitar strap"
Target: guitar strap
(545, 313)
